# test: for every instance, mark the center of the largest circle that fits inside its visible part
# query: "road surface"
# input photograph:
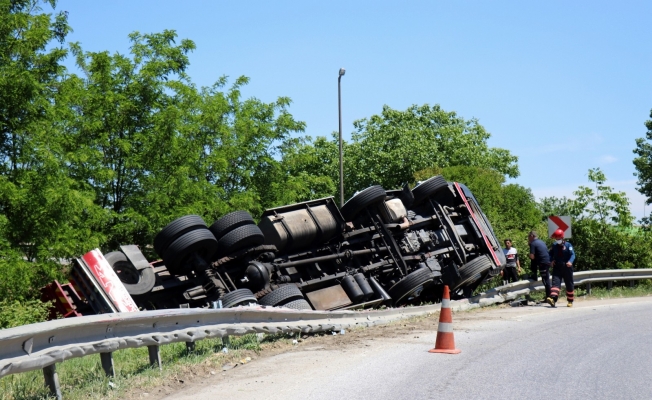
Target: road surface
(596, 350)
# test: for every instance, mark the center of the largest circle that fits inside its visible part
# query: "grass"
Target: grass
(83, 378)
(620, 289)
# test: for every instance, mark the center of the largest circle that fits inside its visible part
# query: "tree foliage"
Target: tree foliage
(643, 162)
(153, 147)
(43, 215)
(388, 149)
(604, 236)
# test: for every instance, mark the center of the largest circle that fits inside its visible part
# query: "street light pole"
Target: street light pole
(339, 107)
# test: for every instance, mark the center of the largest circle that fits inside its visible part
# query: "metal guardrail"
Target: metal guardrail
(512, 291)
(42, 345)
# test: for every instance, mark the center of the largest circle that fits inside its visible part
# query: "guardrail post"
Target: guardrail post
(610, 284)
(52, 380)
(631, 283)
(190, 346)
(155, 356)
(225, 340)
(107, 364)
(588, 288)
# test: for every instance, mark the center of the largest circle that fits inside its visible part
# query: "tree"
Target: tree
(305, 172)
(242, 142)
(603, 233)
(123, 120)
(603, 204)
(28, 76)
(388, 149)
(643, 163)
(44, 217)
(154, 147)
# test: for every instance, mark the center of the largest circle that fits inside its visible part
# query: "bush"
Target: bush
(603, 246)
(17, 313)
(21, 279)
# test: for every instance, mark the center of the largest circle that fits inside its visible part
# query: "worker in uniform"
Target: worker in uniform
(540, 260)
(563, 257)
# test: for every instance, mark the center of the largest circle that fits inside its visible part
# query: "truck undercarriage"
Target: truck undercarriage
(381, 247)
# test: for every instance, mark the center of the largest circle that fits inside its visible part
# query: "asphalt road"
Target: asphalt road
(596, 350)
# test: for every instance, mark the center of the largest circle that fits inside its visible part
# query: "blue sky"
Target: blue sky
(566, 86)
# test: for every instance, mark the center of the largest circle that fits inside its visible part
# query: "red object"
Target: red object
(475, 219)
(445, 342)
(558, 234)
(63, 299)
(109, 281)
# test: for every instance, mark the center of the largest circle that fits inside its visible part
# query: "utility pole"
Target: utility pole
(339, 106)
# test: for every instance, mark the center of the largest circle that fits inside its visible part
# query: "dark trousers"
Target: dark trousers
(533, 271)
(509, 274)
(544, 271)
(561, 271)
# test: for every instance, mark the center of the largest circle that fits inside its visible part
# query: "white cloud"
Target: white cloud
(608, 159)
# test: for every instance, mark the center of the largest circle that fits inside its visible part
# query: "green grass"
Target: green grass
(83, 378)
(620, 289)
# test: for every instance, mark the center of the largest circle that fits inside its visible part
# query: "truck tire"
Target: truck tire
(360, 201)
(229, 222)
(281, 295)
(200, 241)
(238, 297)
(472, 271)
(137, 282)
(300, 304)
(428, 188)
(410, 285)
(239, 238)
(174, 229)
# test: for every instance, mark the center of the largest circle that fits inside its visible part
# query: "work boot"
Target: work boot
(570, 304)
(550, 301)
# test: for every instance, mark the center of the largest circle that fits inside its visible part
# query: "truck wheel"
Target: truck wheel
(137, 282)
(238, 297)
(229, 222)
(300, 304)
(428, 188)
(282, 295)
(360, 201)
(200, 241)
(472, 271)
(174, 229)
(239, 238)
(411, 285)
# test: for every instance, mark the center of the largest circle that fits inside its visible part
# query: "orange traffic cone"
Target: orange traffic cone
(445, 339)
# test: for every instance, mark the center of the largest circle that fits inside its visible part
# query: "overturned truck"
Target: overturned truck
(382, 247)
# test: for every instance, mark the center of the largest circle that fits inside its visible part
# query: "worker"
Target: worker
(540, 260)
(510, 273)
(563, 257)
